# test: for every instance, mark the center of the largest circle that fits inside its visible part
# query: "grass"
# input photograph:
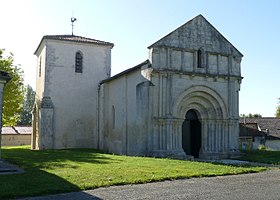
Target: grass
(56, 171)
(262, 156)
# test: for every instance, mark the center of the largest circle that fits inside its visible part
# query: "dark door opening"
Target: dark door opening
(191, 134)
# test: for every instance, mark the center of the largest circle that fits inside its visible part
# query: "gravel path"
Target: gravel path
(257, 186)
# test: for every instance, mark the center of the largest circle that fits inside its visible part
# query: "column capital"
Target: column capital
(167, 120)
(46, 102)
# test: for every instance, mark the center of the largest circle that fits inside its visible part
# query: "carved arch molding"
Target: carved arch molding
(207, 102)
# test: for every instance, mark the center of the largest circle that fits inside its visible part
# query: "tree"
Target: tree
(277, 114)
(28, 102)
(250, 115)
(14, 90)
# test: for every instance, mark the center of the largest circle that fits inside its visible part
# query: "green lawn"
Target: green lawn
(56, 171)
(263, 156)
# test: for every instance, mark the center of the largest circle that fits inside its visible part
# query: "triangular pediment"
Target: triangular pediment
(195, 34)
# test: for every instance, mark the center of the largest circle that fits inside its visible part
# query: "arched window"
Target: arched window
(199, 58)
(79, 62)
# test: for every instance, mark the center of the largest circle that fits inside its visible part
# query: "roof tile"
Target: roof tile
(74, 38)
(17, 130)
(271, 124)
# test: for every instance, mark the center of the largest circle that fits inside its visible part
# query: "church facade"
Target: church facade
(181, 102)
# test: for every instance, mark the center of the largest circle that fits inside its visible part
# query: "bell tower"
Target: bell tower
(69, 70)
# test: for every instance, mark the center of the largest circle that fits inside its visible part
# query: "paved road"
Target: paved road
(264, 185)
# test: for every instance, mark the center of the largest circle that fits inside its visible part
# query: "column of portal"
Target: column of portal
(213, 136)
(218, 136)
(225, 135)
(230, 135)
(210, 136)
(235, 134)
(179, 134)
(221, 136)
(176, 134)
(164, 134)
(169, 135)
(204, 139)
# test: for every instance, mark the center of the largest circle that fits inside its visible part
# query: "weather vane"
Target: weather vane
(73, 19)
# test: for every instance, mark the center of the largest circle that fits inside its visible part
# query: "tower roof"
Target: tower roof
(197, 33)
(74, 38)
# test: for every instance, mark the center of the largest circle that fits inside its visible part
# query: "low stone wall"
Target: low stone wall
(15, 139)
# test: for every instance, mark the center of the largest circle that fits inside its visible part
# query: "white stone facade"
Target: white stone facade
(65, 114)
(182, 102)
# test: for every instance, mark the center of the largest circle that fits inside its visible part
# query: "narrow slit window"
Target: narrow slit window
(113, 117)
(79, 63)
(199, 59)
(40, 66)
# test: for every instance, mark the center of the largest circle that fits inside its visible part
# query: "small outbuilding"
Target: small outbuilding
(270, 126)
(251, 137)
(16, 135)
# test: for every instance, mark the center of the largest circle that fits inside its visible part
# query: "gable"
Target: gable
(195, 34)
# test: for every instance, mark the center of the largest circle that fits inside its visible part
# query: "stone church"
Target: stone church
(181, 102)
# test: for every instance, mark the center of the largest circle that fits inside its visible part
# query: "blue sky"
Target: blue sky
(253, 27)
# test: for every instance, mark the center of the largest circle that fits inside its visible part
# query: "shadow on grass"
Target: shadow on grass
(26, 158)
(35, 183)
(37, 179)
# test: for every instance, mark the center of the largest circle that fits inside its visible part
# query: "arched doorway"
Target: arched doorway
(191, 134)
